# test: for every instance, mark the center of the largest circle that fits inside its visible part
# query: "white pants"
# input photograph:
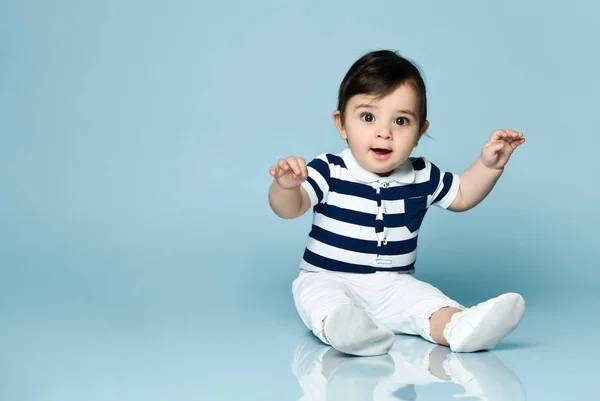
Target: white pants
(397, 300)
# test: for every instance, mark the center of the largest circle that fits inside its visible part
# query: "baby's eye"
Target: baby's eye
(401, 121)
(367, 117)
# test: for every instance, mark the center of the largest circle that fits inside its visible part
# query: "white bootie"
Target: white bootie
(482, 326)
(352, 331)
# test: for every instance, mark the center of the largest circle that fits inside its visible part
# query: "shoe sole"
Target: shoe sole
(490, 329)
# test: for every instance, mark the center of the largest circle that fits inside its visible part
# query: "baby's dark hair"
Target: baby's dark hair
(380, 73)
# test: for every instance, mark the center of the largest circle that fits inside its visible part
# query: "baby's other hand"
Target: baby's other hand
(499, 148)
(290, 172)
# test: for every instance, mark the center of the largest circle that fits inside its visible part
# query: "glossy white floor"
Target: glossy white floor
(61, 344)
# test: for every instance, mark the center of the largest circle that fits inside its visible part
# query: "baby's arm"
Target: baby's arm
(286, 196)
(479, 179)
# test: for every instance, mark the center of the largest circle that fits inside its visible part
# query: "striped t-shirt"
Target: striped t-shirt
(363, 223)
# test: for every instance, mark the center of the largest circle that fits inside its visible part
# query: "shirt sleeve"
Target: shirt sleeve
(445, 187)
(317, 182)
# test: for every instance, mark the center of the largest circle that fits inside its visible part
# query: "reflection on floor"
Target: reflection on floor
(413, 363)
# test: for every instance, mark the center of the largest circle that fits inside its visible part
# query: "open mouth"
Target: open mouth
(380, 152)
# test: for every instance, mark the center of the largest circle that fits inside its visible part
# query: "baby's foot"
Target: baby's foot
(350, 330)
(482, 326)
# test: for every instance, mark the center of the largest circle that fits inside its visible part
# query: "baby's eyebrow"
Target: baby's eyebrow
(366, 106)
(410, 113)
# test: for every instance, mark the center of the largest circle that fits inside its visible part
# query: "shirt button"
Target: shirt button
(385, 241)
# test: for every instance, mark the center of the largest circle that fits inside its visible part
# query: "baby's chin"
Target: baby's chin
(384, 167)
(383, 172)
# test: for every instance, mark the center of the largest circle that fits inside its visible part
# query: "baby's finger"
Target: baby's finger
(504, 134)
(517, 142)
(277, 172)
(283, 165)
(498, 134)
(294, 165)
(302, 163)
(509, 139)
(514, 135)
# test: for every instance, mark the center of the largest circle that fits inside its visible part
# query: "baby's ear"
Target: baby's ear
(337, 119)
(424, 129)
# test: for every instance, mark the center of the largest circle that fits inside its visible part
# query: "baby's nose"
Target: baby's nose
(384, 132)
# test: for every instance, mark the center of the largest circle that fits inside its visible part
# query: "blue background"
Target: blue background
(136, 240)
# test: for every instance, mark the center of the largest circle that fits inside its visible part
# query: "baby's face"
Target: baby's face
(382, 133)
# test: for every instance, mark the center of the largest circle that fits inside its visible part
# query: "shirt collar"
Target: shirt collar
(404, 173)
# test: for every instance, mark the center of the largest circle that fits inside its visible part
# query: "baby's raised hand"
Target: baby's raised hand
(499, 148)
(290, 172)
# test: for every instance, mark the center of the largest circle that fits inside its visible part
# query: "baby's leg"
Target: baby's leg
(415, 307)
(438, 322)
(332, 311)
(410, 306)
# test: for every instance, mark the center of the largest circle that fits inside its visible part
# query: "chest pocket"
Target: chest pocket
(414, 212)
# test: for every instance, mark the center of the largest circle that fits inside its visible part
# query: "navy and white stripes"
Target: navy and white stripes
(363, 223)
